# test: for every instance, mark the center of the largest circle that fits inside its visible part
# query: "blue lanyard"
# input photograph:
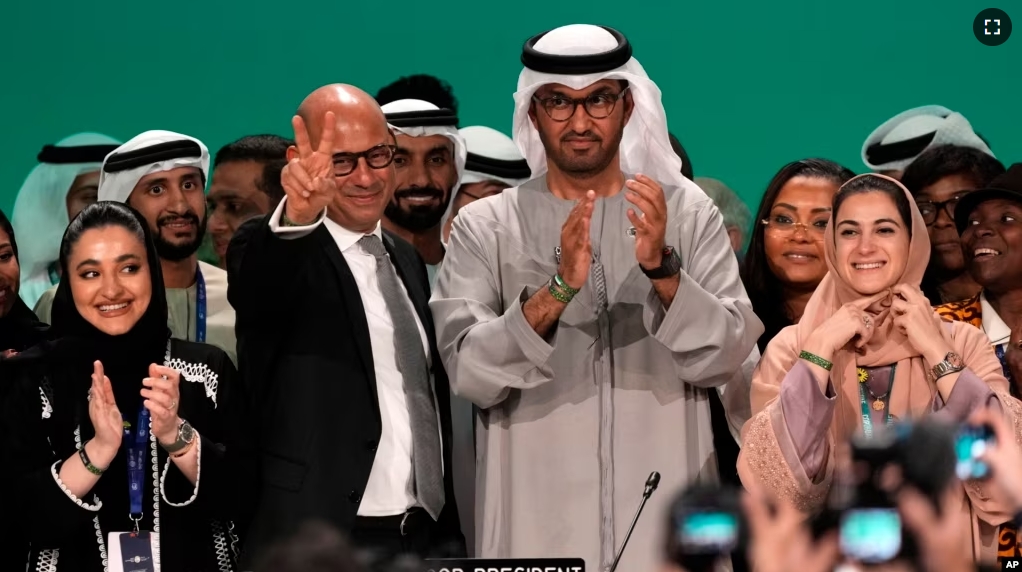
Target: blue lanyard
(136, 439)
(999, 350)
(200, 307)
(867, 419)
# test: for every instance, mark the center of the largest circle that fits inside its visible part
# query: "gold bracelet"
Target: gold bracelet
(186, 450)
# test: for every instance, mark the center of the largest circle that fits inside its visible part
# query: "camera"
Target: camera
(706, 523)
(924, 455)
(971, 443)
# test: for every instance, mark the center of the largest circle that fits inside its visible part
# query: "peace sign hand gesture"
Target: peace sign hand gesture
(308, 179)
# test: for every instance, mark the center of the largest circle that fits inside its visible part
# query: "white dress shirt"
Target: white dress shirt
(388, 492)
(993, 326)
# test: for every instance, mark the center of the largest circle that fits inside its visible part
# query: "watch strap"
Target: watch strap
(946, 367)
(669, 266)
(180, 443)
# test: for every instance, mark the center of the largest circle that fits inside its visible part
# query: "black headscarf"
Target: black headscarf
(125, 358)
(19, 328)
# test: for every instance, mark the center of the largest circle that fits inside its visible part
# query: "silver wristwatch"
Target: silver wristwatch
(952, 363)
(185, 436)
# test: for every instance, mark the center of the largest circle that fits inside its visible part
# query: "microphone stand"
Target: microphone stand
(651, 485)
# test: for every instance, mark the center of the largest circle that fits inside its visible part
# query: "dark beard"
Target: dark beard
(418, 218)
(178, 252)
(584, 167)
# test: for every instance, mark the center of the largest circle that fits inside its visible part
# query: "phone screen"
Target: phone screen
(970, 444)
(709, 532)
(871, 535)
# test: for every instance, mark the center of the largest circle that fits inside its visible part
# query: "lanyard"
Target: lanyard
(200, 307)
(136, 439)
(867, 419)
(999, 350)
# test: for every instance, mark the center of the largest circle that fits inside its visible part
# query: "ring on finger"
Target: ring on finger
(867, 321)
(173, 403)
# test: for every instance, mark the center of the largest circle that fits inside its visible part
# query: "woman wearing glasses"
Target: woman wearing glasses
(937, 179)
(784, 263)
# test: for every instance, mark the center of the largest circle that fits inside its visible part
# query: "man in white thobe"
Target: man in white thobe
(587, 313)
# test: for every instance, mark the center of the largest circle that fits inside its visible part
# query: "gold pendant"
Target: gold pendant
(878, 405)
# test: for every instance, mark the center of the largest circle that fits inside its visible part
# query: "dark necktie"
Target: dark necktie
(427, 460)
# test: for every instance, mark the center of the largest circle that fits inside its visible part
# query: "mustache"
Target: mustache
(587, 136)
(189, 217)
(419, 191)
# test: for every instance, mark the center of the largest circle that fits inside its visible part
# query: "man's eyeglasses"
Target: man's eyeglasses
(930, 209)
(597, 105)
(783, 225)
(377, 158)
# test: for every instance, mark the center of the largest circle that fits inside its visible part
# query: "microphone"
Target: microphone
(651, 484)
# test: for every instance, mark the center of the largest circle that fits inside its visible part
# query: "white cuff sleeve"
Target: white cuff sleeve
(198, 476)
(90, 507)
(291, 231)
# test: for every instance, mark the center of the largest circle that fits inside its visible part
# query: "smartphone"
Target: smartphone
(710, 531)
(971, 443)
(870, 535)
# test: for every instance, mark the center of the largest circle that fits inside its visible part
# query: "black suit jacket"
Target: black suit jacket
(304, 353)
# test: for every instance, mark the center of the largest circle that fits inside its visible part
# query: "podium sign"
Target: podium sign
(505, 565)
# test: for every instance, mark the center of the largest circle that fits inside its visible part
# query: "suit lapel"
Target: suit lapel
(353, 300)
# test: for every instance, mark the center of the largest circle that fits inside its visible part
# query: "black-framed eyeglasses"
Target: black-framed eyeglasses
(376, 157)
(930, 209)
(597, 105)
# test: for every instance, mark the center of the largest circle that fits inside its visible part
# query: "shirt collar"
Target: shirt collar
(993, 325)
(345, 238)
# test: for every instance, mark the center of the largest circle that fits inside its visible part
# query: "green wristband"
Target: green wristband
(815, 359)
(564, 285)
(88, 464)
(558, 295)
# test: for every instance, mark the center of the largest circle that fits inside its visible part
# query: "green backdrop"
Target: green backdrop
(747, 85)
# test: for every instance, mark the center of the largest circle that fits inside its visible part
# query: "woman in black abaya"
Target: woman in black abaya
(113, 386)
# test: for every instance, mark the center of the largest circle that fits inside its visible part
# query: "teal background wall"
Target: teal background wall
(747, 85)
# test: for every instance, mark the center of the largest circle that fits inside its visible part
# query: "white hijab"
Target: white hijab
(40, 218)
(118, 186)
(645, 146)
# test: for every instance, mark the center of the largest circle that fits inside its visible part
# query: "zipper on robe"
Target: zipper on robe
(603, 377)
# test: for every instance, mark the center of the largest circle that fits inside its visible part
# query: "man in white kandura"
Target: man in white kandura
(587, 313)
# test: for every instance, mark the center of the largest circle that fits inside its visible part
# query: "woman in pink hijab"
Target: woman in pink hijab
(868, 350)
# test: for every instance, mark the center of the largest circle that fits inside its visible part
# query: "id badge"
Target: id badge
(130, 552)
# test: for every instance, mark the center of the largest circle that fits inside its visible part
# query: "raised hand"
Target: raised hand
(162, 396)
(576, 246)
(308, 179)
(651, 223)
(105, 417)
(1004, 457)
(915, 318)
(780, 541)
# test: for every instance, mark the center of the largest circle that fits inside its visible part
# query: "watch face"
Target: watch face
(954, 359)
(187, 433)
